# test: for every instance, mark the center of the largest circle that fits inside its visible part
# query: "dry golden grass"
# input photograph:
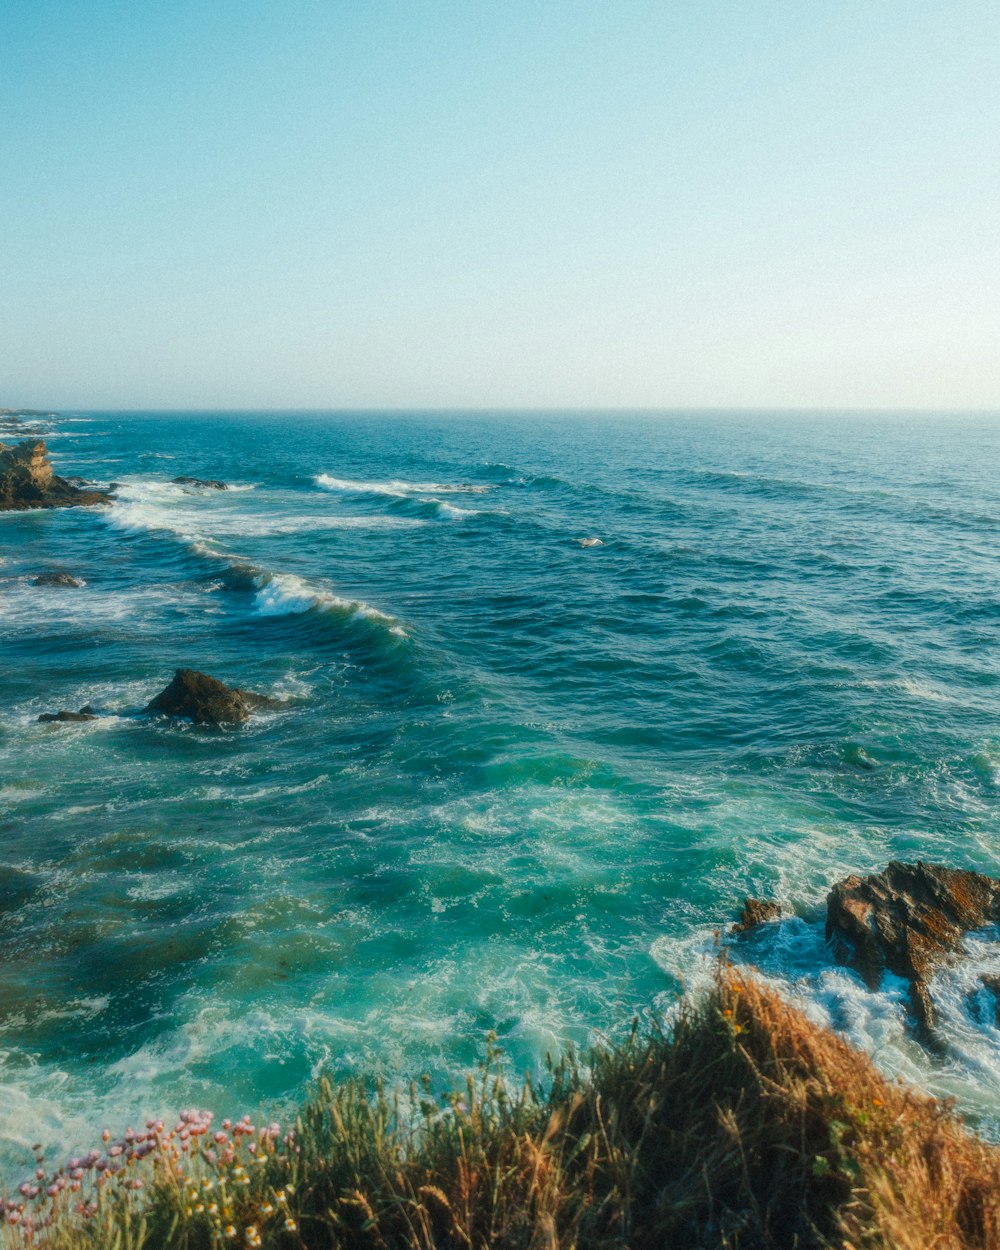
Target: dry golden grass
(745, 1128)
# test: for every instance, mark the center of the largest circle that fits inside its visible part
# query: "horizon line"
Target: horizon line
(458, 409)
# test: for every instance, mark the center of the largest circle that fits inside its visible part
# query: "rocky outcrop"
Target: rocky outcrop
(197, 697)
(27, 480)
(907, 920)
(57, 579)
(756, 911)
(64, 717)
(204, 483)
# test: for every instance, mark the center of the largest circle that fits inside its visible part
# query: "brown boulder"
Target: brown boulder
(756, 911)
(27, 480)
(197, 697)
(908, 920)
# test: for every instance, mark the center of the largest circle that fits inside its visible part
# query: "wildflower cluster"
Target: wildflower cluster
(216, 1180)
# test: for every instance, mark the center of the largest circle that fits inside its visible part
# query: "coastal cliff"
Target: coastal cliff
(28, 481)
(744, 1126)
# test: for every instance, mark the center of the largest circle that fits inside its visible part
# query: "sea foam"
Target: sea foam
(397, 488)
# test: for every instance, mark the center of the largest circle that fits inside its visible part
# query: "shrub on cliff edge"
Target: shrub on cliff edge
(745, 1128)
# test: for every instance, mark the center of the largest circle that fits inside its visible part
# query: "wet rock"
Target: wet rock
(858, 757)
(756, 911)
(205, 483)
(205, 700)
(56, 579)
(27, 480)
(85, 713)
(907, 920)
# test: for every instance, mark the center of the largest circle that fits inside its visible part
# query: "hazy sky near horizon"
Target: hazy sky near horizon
(322, 203)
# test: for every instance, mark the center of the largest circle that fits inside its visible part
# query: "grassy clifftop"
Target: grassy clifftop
(747, 1126)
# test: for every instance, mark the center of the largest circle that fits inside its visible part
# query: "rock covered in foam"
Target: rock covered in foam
(205, 700)
(57, 579)
(907, 920)
(204, 483)
(27, 480)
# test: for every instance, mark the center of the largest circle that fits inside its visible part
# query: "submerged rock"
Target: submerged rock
(206, 483)
(57, 579)
(85, 713)
(756, 911)
(205, 700)
(992, 983)
(907, 920)
(27, 480)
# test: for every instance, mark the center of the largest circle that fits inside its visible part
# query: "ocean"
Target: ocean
(517, 784)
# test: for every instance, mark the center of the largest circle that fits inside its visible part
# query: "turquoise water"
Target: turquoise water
(517, 784)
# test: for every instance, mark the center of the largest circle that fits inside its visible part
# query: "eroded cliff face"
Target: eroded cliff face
(27, 480)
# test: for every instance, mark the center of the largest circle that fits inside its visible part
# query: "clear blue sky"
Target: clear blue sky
(438, 203)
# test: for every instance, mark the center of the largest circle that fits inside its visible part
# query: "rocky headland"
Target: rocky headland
(27, 481)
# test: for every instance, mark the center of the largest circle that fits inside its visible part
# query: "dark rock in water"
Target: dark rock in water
(27, 480)
(908, 920)
(56, 579)
(85, 713)
(992, 983)
(756, 911)
(205, 700)
(207, 483)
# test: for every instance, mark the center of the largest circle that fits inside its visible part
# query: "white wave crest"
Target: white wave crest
(397, 488)
(262, 527)
(451, 511)
(283, 594)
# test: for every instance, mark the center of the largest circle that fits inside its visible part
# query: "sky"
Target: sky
(525, 203)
